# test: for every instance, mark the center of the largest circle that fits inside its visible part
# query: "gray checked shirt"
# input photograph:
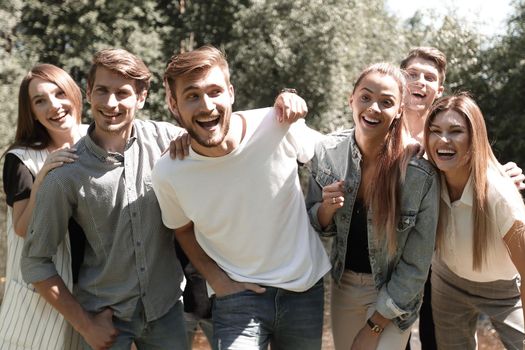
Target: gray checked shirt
(129, 254)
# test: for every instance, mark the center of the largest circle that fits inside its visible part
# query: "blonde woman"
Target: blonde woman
(480, 240)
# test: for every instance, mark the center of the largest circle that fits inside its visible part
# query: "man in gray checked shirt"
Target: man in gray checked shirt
(129, 283)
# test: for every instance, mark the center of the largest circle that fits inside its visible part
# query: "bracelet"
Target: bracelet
(290, 90)
(375, 328)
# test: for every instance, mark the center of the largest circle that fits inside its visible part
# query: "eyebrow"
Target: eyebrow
(383, 94)
(193, 87)
(453, 125)
(37, 96)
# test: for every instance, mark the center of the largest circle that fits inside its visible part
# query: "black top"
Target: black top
(18, 181)
(357, 258)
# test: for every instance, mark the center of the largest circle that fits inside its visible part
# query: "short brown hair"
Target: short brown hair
(193, 63)
(438, 58)
(121, 62)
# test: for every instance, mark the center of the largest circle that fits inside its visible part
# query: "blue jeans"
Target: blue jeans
(167, 332)
(284, 319)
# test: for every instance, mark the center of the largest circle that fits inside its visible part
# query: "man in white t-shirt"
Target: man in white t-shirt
(238, 211)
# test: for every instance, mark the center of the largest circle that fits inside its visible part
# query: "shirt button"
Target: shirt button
(142, 269)
(143, 295)
(133, 214)
(139, 243)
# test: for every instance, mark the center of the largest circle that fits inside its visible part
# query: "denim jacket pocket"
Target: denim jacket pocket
(325, 177)
(406, 222)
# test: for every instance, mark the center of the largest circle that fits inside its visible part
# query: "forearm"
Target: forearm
(324, 216)
(379, 319)
(55, 292)
(206, 266)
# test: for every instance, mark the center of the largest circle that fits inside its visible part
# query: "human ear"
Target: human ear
(141, 98)
(439, 91)
(172, 106)
(232, 93)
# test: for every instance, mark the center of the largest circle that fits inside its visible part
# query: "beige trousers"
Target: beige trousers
(353, 301)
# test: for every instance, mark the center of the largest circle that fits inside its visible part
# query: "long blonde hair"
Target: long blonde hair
(389, 173)
(481, 158)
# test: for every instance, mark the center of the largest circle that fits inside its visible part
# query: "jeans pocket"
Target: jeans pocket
(233, 295)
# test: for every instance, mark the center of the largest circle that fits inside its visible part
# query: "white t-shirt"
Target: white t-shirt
(458, 250)
(247, 207)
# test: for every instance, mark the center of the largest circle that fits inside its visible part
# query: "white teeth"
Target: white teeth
(446, 152)
(110, 115)
(208, 119)
(59, 116)
(371, 120)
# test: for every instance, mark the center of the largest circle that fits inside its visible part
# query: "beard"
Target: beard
(216, 139)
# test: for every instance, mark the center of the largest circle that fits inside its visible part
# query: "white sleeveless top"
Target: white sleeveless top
(28, 321)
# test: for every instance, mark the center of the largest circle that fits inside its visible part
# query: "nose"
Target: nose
(207, 103)
(444, 137)
(374, 107)
(112, 101)
(55, 103)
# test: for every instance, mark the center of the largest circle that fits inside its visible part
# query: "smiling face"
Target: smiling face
(376, 103)
(203, 103)
(449, 143)
(51, 107)
(114, 101)
(424, 85)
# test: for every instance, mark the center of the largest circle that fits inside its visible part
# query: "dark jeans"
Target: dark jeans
(167, 332)
(284, 319)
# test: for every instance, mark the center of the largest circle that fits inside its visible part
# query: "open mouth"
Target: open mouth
(445, 153)
(110, 115)
(418, 95)
(371, 121)
(59, 116)
(209, 123)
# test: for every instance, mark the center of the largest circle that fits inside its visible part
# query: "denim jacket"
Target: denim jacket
(399, 278)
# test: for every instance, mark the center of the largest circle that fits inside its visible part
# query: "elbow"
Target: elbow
(20, 231)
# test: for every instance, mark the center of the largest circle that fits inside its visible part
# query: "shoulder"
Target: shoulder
(500, 188)
(156, 128)
(418, 164)
(420, 178)
(257, 114)
(337, 139)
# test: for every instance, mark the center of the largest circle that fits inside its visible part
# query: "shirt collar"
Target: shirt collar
(102, 154)
(467, 197)
(356, 153)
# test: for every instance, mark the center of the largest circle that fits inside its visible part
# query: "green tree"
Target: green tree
(67, 33)
(315, 46)
(12, 71)
(504, 104)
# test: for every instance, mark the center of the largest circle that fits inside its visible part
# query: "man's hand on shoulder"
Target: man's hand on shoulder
(290, 106)
(180, 145)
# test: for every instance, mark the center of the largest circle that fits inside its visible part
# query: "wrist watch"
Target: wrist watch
(375, 328)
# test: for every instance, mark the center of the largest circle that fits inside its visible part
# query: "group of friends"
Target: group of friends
(93, 213)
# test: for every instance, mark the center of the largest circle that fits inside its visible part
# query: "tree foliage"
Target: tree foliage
(315, 46)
